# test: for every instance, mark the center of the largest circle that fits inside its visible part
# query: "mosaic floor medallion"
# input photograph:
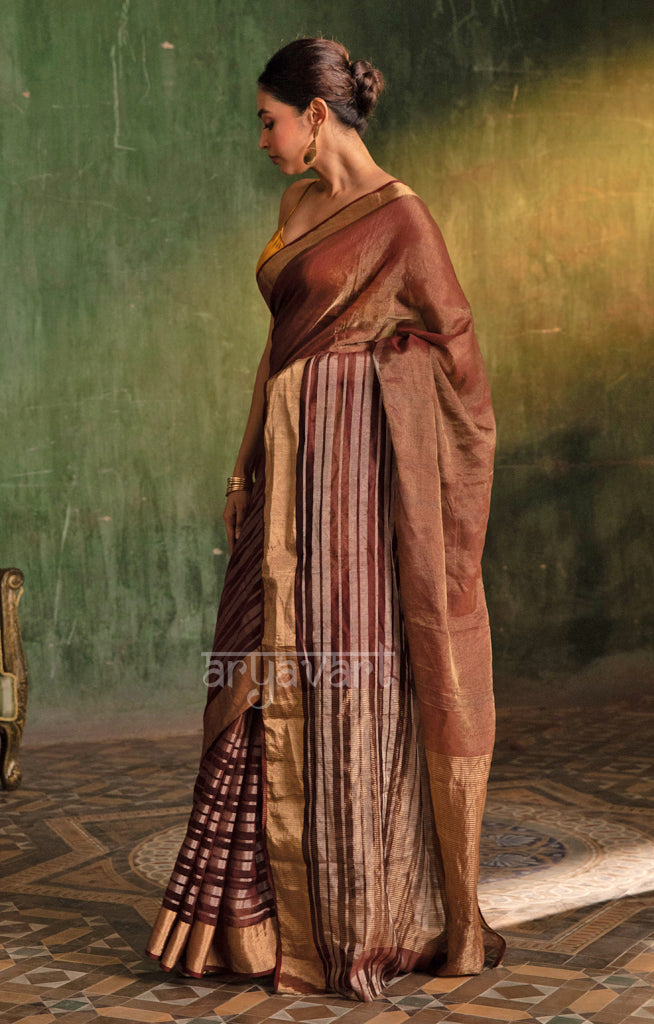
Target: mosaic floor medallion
(88, 842)
(533, 861)
(154, 858)
(537, 866)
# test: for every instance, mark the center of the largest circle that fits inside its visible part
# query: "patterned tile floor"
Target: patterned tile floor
(568, 863)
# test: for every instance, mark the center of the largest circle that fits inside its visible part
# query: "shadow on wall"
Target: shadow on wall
(580, 527)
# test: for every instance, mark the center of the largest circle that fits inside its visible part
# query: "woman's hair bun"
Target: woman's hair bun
(314, 66)
(368, 84)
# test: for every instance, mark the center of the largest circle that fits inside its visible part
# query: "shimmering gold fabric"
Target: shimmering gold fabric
(355, 799)
(357, 890)
(251, 950)
(378, 275)
(283, 709)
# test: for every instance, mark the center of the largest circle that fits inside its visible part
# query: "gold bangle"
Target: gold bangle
(238, 483)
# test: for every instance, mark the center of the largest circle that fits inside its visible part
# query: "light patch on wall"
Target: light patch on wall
(544, 195)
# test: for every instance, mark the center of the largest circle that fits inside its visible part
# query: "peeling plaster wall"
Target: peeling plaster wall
(134, 204)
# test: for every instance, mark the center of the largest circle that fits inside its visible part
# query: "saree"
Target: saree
(349, 725)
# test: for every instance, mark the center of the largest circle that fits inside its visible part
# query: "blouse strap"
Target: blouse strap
(288, 217)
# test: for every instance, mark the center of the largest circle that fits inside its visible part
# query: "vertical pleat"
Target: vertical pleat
(368, 831)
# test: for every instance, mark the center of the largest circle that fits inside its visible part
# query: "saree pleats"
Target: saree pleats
(221, 873)
(231, 674)
(366, 856)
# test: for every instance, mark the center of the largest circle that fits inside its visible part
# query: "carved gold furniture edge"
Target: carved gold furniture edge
(13, 665)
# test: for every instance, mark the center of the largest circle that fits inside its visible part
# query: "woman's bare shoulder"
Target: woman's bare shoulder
(291, 196)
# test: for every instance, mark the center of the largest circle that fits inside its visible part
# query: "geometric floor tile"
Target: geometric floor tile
(519, 992)
(562, 1019)
(67, 1005)
(568, 841)
(48, 977)
(303, 1011)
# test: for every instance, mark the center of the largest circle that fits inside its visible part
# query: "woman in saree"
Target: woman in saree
(334, 836)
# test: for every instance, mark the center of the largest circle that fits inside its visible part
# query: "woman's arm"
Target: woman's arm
(238, 501)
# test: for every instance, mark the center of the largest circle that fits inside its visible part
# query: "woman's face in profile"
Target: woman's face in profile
(285, 133)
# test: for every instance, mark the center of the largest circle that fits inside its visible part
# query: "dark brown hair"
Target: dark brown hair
(307, 68)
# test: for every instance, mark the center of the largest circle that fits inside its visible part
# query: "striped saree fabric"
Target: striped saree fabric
(368, 837)
(348, 809)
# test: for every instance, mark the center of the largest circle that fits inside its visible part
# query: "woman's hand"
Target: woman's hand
(235, 508)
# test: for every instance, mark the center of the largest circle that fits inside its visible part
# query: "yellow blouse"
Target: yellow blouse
(277, 241)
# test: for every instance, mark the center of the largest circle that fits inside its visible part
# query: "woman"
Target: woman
(334, 837)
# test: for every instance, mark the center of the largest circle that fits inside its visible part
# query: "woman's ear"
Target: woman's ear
(318, 112)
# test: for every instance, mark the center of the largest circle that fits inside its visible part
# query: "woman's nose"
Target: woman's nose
(263, 143)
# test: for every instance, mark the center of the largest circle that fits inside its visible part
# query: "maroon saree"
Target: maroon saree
(334, 836)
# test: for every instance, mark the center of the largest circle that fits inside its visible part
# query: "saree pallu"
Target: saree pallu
(334, 836)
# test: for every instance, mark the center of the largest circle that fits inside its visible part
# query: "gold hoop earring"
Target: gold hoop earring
(312, 151)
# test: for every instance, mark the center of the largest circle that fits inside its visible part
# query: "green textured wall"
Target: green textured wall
(134, 203)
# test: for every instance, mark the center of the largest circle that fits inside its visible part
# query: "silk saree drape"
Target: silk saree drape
(349, 726)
